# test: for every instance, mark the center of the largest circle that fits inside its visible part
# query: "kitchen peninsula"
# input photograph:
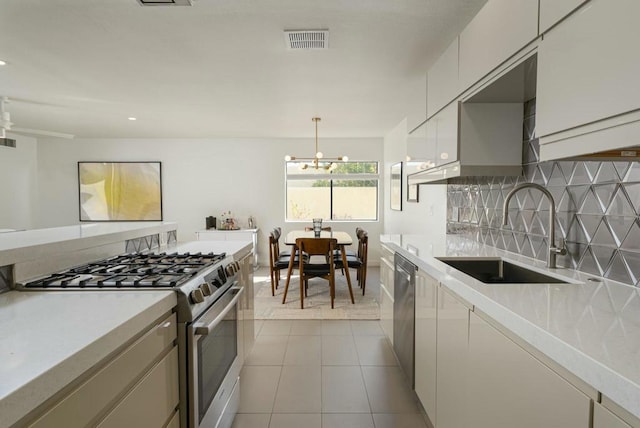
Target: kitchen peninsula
(119, 348)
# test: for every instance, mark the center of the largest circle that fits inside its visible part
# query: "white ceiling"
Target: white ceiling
(220, 67)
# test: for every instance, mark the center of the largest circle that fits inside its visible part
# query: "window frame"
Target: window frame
(331, 177)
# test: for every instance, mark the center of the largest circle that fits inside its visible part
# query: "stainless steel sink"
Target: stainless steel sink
(498, 271)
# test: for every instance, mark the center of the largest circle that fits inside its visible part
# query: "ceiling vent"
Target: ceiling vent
(307, 39)
(165, 2)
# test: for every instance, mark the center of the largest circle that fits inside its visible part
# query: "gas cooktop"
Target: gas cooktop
(131, 271)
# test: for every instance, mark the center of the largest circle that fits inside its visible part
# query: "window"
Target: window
(347, 192)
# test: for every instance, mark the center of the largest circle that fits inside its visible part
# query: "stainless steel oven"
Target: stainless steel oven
(209, 337)
(213, 363)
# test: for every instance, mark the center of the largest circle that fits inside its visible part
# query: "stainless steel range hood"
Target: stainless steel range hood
(456, 172)
(471, 140)
(482, 134)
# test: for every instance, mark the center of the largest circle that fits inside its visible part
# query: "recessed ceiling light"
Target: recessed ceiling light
(3, 62)
(133, 118)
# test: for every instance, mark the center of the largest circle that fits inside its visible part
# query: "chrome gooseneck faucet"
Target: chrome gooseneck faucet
(553, 250)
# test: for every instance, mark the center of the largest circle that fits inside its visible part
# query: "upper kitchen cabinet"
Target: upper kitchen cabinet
(552, 11)
(421, 143)
(588, 95)
(417, 102)
(442, 79)
(444, 128)
(499, 30)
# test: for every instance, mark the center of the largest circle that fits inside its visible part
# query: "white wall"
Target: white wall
(200, 178)
(428, 216)
(18, 183)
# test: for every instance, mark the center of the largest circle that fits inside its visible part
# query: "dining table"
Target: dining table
(343, 239)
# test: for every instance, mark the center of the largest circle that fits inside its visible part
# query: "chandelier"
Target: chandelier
(315, 162)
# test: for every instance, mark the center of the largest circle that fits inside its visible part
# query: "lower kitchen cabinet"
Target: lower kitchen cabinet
(386, 292)
(426, 301)
(452, 355)
(137, 387)
(247, 309)
(508, 387)
(603, 418)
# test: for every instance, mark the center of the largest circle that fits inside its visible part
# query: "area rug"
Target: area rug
(318, 304)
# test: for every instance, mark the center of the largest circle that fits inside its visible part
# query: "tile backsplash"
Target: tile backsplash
(597, 206)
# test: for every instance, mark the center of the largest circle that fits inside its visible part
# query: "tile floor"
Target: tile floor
(324, 374)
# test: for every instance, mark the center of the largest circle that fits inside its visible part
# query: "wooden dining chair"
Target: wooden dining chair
(274, 262)
(278, 261)
(278, 232)
(358, 261)
(351, 252)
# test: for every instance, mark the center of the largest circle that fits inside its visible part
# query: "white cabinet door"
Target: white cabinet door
(443, 79)
(445, 125)
(452, 353)
(552, 11)
(588, 68)
(603, 418)
(421, 143)
(247, 306)
(425, 342)
(417, 102)
(499, 30)
(511, 388)
(152, 401)
(386, 313)
(386, 291)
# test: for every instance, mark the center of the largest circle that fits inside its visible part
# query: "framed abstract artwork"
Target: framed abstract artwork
(120, 191)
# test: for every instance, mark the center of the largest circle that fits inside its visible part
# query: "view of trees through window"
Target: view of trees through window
(347, 192)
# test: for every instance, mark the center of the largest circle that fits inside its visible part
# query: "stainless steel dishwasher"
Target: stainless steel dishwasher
(404, 315)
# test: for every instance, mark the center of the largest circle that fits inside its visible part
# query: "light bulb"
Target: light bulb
(345, 158)
(408, 158)
(303, 166)
(319, 155)
(444, 155)
(287, 158)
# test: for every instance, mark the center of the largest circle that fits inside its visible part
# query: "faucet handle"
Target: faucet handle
(561, 248)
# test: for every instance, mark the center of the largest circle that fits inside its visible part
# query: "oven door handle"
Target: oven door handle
(205, 329)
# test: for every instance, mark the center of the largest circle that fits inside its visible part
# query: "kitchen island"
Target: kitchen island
(79, 358)
(589, 326)
(49, 340)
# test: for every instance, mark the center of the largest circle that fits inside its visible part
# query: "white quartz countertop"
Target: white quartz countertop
(48, 339)
(590, 328)
(35, 244)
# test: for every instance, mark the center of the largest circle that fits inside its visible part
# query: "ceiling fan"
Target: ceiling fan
(7, 125)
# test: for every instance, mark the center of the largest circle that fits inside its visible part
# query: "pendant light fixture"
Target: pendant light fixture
(314, 162)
